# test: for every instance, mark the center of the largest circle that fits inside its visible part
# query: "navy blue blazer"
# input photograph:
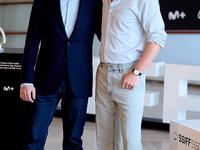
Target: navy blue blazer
(49, 53)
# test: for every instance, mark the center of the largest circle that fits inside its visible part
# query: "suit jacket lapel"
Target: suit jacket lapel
(82, 7)
(55, 7)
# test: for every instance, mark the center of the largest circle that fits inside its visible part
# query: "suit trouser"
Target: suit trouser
(41, 113)
(111, 99)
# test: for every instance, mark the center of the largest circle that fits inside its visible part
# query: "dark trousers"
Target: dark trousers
(41, 113)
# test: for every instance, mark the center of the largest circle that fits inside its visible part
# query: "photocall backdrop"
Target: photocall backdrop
(181, 14)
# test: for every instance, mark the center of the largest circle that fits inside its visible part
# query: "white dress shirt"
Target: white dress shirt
(69, 10)
(127, 27)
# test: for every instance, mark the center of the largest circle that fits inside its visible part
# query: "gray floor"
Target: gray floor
(151, 139)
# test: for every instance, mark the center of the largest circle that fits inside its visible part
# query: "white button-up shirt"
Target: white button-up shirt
(127, 27)
(69, 11)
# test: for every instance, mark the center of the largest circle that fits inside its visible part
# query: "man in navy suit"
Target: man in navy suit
(57, 64)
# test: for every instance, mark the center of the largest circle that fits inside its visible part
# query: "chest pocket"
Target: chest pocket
(124, 18)
(123, 14)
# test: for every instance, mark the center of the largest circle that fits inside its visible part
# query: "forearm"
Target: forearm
(149, 55)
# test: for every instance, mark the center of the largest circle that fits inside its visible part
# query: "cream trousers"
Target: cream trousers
(118, 111)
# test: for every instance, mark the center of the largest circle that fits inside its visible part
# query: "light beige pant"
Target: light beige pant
(118, 111)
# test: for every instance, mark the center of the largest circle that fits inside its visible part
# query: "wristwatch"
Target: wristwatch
(136, 72)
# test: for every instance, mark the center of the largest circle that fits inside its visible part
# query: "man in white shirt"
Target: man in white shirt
(132, 35)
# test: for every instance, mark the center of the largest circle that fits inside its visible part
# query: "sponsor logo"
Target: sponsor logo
(8, 88)
(176, 15)
(185, 140)
(198, 15)
(175, 136)
(181, 138)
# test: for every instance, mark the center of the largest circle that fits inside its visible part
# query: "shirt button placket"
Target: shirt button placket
(107, 44)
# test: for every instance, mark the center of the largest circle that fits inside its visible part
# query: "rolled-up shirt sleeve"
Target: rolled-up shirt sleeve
(152, 22)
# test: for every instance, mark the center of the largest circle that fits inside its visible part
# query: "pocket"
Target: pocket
(142, 79)
(127, 70)
(86, 76)
(100, 65)
(126, 12)
(125, 16)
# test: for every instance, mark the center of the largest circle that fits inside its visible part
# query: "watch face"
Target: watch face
(136, 72)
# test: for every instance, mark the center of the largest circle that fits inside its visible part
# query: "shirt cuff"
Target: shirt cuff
(25, 84)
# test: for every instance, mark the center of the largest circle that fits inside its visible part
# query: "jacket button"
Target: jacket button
(65, 59)
(68, 43)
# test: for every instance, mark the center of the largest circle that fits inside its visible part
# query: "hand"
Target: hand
(130, 81)
(27, 93)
